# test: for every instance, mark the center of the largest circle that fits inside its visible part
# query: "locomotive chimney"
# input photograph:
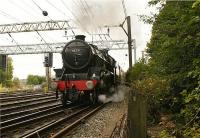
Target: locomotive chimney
(80, 37)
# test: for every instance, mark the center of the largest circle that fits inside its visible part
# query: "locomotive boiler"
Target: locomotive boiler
(87, 72)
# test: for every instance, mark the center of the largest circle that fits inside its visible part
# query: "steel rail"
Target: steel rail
(37, 132)
(25, 101)
(2, 111)
(5, 128)
(28, 116)
(22, 123)
(21, 97)
(71, 126)
(20, 93)
(5, 116)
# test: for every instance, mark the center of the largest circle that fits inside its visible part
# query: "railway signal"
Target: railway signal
(48, 62)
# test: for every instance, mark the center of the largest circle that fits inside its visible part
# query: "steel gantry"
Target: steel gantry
(47, 47)
(35, 26)
(31, 27)
(56, 47)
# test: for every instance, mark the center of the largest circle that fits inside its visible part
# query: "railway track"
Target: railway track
(27, 106)
(32, 120)
(11, 118)
(14, 94)
(39, 115)
(23, 120)
(24, 112)
(23, 97)
(32, 101)
(8, 104)
(59, 128)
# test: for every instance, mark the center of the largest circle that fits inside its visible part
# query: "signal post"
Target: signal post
(48, 62)
(136, 117)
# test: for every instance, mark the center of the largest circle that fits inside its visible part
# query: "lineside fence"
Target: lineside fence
(121, 128)
(137, 115)
(133, 123)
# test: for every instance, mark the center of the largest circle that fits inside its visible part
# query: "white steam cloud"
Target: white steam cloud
(118, 95)
(93, 14)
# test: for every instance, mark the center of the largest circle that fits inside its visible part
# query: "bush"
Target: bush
(156, 90)
(35, 79)
(138, 72)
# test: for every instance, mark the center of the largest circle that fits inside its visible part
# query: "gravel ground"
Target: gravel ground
(102, 123)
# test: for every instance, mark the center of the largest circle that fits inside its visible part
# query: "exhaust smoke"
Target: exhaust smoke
(118, 95)
(93, 14)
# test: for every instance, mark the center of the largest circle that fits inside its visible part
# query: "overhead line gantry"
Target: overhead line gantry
(46, 47)
(55, 47)
(35, 26)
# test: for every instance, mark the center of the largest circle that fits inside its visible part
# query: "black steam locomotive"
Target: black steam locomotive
(87, 72)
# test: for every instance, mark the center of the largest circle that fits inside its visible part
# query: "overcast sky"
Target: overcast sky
(104, 12)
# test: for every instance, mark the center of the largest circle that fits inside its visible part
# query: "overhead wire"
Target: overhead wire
(40, 8)
(90, 14)
(88, 7)
(65, 5)
(14, 18)
(44, 40)
(84, 7)
(30, 7)
(9, 16)
(124, 8)
(37, 31)
(62, 13)
(14, 41)
(21, 7)
(79, 6)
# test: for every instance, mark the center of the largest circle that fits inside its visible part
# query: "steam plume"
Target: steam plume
(118, 96)
(93, 14)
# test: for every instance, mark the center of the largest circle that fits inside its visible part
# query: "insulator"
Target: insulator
(45, 13)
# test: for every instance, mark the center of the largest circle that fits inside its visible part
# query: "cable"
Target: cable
(65, 5)
(89, 8)
(37, 31)
(40, 8)
(76, 3)
(62, 13)
(21, 7)
(26, 11)
(8, 15)
(44, 40)
(30, 7)
(124, 7)
(13, 40)
(84, 8)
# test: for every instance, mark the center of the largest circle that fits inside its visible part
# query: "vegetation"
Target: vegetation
(171, 78)
(6, 77)
(35, 79)
(7, 82)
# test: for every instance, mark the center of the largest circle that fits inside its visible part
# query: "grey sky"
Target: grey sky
(103, 12)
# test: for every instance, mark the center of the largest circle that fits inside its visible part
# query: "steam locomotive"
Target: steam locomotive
(87, 72)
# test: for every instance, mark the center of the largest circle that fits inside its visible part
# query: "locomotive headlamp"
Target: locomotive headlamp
(89, 85)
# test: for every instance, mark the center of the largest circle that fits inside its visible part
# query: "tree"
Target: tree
(174, 54)
(16, 82)
(35, 79)
(172, 75)
(6, 76)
